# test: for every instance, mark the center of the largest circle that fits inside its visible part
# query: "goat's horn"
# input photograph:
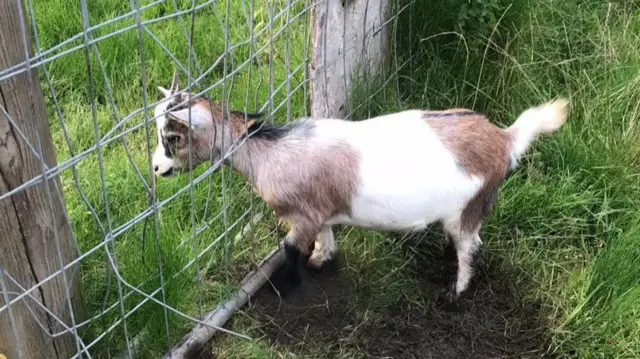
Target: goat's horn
(176, 82)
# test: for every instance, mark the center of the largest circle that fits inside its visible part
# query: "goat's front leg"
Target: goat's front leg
(325, 248)
(297, 245)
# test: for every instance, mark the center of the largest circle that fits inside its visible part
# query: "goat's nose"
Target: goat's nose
(155, 168)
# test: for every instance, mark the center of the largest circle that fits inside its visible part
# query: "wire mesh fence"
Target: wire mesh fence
(142, 261)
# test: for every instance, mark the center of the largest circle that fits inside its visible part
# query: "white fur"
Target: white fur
(408, 178)
(161, 163)
(324, 249)
(545, 118)
(200, 116)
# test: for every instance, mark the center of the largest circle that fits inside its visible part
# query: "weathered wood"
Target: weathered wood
(30, 219)
(347, 35)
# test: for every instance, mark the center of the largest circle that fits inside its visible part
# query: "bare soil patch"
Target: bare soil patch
(328, 317)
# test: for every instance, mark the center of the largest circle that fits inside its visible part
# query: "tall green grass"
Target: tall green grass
(566, 222)
(565, 226)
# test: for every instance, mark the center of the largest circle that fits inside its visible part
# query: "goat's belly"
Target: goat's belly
(401, 214)
(409, 203)
(381, 224)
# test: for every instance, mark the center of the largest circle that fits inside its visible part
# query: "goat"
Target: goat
(398, 172)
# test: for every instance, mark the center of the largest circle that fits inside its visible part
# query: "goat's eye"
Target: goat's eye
(173, 139)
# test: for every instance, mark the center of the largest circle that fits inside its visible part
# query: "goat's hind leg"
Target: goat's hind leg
(325, 248)
(466, 245)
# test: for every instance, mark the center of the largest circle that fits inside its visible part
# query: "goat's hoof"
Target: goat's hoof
(294, 280)
(285, 283)
(292, 277)
(316, 261)
(286, 290)
(452, 293)
(449, 299)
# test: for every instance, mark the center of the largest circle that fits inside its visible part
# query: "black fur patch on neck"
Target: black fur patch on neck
(267, 132)
(248, 116)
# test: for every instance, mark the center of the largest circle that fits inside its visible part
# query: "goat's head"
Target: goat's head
(213, 130)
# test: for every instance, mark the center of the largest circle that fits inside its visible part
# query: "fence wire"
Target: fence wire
(154, 257)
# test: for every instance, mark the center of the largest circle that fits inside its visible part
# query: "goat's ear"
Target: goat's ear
(166, 93)
(243, 128)
(200, 117)
(175, 83)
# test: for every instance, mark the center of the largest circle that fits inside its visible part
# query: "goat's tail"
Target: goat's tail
(546, 118)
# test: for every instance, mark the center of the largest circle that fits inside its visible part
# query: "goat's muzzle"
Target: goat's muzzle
(168, 173)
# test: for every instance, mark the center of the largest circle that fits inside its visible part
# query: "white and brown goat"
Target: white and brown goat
(399, 172)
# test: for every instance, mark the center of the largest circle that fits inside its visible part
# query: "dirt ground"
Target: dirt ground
(322, 319)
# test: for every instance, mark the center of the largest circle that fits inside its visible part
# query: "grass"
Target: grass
(565, 228)
(95, 208)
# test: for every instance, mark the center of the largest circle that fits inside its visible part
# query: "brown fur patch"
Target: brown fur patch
(481, 149)
(202, 139)
(305, 181)
(200, 145)
(236, 118)
(304, 184)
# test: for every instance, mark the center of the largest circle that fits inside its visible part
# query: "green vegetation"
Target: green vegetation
(566, 222)
(565, 230)
(140, 249)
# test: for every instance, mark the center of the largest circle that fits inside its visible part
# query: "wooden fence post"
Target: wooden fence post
(346, 35)
(34, 230)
